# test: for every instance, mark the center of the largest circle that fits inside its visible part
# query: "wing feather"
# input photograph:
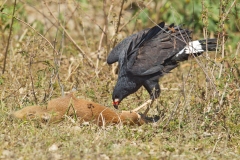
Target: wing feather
(123, 45)
(150, 57)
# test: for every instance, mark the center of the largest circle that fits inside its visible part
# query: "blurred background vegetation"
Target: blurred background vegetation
(51, 38)
(195, 15)
(52, 46)
(55, 45)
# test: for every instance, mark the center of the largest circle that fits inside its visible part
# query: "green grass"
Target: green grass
(199, 118)
(27, 140)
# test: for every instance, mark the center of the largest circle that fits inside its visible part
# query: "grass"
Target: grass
(27, 141)
(199, 104)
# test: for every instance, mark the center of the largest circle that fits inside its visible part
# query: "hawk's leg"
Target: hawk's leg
(148, 108)
(153, 89)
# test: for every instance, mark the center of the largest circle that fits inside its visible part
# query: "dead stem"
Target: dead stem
(9, 37)
(71, 39)
(173, 112)
(31, 77)
(98, 52)
(33, 30)
(57, 56)
(133, 17)
(118, 23)
(143, 105)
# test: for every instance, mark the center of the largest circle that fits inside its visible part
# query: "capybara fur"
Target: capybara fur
(84, 110)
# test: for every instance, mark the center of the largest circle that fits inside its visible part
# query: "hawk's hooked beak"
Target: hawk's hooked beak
(116, 103)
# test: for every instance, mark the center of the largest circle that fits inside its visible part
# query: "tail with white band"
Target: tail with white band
(196, 47)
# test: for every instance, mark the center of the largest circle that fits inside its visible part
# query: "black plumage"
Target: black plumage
(149, 54)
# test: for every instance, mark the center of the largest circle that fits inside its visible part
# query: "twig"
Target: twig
(31, 77)
(92, 20)
(224, 17)
(105, 15)
(9, 37)
(56, 57)
(68, 35)
(143, 105)
(2, 4)
(71, 71)
(172, 112)
(238, 49)
(169, 89)
(215, 145)
(71, 105)
(211, 80)
(118, 23)
(222, 48)
(221, 11)
(114, 66)
(33, 30)
(224, 91)
(137, 13)
(11, 94)
(227, 82)
(110, 9)
(205, 34)
(98, 52)
(100, 116)
(45, 17)
(101, 39)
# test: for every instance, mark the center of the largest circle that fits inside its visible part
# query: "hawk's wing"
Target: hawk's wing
(137, 38)
(123, 45)
(152, 55)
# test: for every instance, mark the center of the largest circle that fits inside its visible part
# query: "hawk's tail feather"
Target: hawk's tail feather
(196, 47)
(199, 46)
(209, 44)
